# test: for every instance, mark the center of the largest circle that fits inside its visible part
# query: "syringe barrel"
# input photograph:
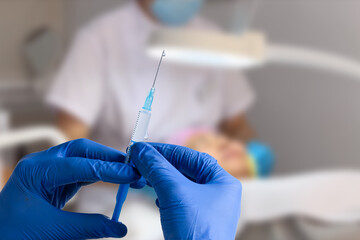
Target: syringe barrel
(142, 125)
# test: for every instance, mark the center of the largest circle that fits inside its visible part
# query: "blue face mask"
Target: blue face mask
(175, 12)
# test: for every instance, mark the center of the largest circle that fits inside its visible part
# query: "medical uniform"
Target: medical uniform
(107, 75)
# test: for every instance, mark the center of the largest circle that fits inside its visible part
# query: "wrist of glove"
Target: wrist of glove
(42, 183)
(197, 198)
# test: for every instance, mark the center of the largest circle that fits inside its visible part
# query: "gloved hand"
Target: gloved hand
(31, 201)
(197, 198)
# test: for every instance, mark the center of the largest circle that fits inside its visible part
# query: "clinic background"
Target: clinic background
(310, 117)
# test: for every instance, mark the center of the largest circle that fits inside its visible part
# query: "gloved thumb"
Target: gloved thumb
(153, 166)
(92, 226)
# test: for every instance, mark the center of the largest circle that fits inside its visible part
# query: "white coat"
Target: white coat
(107, 74)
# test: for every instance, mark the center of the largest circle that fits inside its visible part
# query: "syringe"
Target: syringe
(139, 134)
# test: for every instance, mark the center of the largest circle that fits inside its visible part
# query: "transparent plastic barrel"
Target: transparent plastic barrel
(141, 128)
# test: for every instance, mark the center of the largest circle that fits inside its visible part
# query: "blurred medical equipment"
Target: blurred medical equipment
(4, 125)
(4, 120)
(2, 172)
(328, 196)
(140, 134)
(249, 49)
(17, 137)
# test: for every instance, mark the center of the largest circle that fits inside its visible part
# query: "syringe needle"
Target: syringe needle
(157, 71)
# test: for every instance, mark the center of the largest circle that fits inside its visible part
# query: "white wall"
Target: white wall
(18, 18)
(80, 12)
(311, 118)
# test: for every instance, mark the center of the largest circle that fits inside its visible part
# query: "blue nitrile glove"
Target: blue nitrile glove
(31, 201)
(197, 198)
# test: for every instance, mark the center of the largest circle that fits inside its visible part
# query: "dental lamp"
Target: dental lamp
(210, 49)
(240, 51)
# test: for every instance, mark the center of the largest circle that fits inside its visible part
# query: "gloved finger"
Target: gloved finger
(157, 203)
(143, 180)
(139, 184)
(85, 148)
(153, 166)
(200, 167)
(91, 226)
(149, 184)
(73, 170)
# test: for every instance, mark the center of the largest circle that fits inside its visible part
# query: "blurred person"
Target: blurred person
(106, 75)
(241, 160)
(230, 154)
